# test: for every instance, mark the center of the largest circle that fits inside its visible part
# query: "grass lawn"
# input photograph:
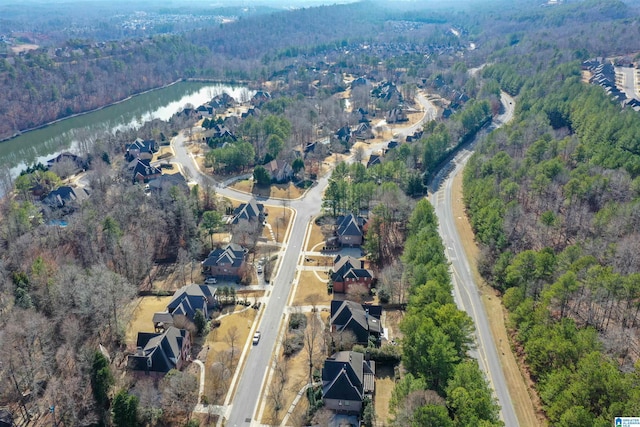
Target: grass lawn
(310, 285)
(384, 387)
(143, 309)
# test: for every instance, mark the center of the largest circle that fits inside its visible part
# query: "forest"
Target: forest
(552, 197)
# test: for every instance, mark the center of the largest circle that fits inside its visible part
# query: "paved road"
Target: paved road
(251, 381)
(465, 289)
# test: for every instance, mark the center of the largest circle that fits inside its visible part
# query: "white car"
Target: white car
(256, 338)
(259, 269)
(211, 281)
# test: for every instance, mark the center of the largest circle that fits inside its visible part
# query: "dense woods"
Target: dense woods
(553, 199)
(443, 386)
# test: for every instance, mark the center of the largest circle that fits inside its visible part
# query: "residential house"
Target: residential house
(250, 211)
(391, 145)
(360, 81)
(185, 302)
(348, 271)
(347, 378)
(228, 262)
(161, 352)
(362, 321)
(66, 196)
(374, 159)
(260, 98)
(221, 131)
(349, 230)
(364, 115)
(253, 112)
(65, 164)
(363, 131)
(141, 149)
(144, 172)
(387, 91)
(396, 115)
(343, 134)
(6, 418)
(415, 136)
(164, 183)
(279, 170)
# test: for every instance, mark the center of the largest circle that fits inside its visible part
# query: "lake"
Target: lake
(42, 144)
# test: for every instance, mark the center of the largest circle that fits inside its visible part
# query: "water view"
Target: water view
(42, 144)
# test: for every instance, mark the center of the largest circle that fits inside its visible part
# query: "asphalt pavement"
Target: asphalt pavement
(466, 292)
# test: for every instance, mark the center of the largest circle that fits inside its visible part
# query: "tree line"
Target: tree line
(442, 386)
(552, 198)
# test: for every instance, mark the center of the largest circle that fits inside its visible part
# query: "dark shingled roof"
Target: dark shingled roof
(361, 320)
(159, 352)
(343, 376)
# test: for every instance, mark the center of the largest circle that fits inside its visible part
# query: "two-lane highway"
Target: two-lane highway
(465, 289)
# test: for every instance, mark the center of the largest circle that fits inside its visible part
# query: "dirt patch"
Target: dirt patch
(525, 399)
(141, 318)
(385, 383)
(24, 47)
(309, 286)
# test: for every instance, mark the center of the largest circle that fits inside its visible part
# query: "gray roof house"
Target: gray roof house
(161, 352)
(164, 183)
(65, 196)
(346, 380)
(349, 229)
(250, 211)
(279, 170)
(363, 321)
(185, 302)
(140, 148)
(227, 262)
(143, 171)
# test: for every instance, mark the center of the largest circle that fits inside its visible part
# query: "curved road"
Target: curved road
(465, 289)
(252, 379)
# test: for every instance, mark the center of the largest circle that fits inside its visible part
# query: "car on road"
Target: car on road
(256, 338)
(259, 269)
(210, 281)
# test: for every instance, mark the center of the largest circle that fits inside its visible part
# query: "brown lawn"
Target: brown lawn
(308, 285)
(164, 150)
(143, 309)
(316, 238)
(282, 191)
(384, 387)
(297, 369)
(218, 343)
(278, 218)
(392, 319)
(525, 399)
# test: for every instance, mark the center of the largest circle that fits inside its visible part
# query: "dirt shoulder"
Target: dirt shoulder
(525, 399)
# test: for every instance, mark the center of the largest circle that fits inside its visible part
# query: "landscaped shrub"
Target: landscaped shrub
(293, 343)
(297, 321)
